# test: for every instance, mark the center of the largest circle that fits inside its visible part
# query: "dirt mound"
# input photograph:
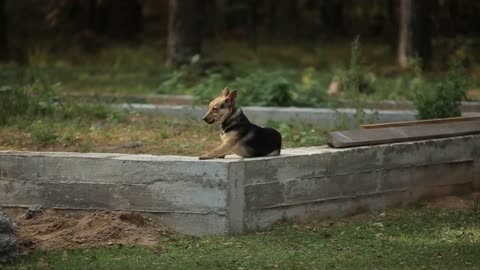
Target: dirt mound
(466, 202)
(49, 230)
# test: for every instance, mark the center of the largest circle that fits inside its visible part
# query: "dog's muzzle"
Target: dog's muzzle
(208, 120)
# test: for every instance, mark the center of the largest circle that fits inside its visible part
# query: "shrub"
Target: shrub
(36, 99)
(443, 98)
(43, 132)
(259, 87)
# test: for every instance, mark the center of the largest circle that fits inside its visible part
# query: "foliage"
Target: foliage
(260, 87)
(43, 132)
(356, 78)
(36, 98)
(173, 82)
(443, 98)
(356, 81)
(300, 136)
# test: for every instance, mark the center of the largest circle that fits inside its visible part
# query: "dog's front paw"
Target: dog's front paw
(204, 157)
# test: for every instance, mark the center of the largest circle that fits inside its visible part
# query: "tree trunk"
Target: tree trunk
(252, 24)
(287, 18)
(185, 30)
(415, 38)
(3, 32)
(125, 19)
(332, 16)
(392, 25)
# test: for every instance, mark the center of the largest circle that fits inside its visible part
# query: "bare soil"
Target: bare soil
(465, 202)
(50, 230)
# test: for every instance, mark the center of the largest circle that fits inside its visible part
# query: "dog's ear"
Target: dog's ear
(225, 92)
(232, 96)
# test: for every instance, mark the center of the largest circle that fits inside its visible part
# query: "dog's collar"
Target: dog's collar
(230, 122)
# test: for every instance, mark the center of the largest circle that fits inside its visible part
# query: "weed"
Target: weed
(260, 87)
(356, 78)
(443, 98)
(173, 82)
(43, 132)
(299, 136)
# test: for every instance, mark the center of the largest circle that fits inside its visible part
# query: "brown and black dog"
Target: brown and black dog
(238, 134)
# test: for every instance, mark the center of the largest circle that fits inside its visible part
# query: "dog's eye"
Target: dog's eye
(215, 109)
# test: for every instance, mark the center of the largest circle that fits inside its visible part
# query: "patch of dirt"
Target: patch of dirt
(466, 202)
(50, 230)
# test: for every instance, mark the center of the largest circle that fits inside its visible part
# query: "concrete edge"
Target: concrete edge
(325, 117)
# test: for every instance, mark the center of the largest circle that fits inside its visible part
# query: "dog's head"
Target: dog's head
(221, 107)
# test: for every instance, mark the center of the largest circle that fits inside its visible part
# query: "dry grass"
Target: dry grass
(158, 136)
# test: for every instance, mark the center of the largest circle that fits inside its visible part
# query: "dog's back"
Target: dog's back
(259, 141)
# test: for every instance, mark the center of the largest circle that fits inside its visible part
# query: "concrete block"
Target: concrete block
(164, 198)
(264, 195)
(285, 168)
(310, 189)
(428, 152)
(323, 117)
(426, 176)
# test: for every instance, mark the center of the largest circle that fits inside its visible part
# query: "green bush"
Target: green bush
(443, 98)
(259, 87)
(305, 136)
(29, 100)
(43, 132)
(36, 99)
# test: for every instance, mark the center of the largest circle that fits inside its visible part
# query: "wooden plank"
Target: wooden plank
(363, 137)
(422, 122)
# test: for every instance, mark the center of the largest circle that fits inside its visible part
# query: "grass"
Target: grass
(409, 238)
(159, 135)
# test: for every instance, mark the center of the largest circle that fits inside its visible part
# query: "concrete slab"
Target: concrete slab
(324, 117)
(236, 195)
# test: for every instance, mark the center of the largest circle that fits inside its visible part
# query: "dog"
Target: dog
(238, 134)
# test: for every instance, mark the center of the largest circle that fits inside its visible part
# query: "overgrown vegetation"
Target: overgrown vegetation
(35, 98)
(275, 76)
(415, 238)
(441, 99)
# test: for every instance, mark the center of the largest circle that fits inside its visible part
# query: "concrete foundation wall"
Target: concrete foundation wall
(239, 195)
(184, 191)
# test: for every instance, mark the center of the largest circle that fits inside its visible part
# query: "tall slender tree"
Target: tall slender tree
(252, 24)
(3, 32)
(332, 16)
(185, 30)
(125, 19)
(415, 35)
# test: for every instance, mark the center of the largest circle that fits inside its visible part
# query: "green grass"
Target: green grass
(413, 238)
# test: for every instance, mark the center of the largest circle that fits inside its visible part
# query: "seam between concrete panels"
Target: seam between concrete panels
(359, 196)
